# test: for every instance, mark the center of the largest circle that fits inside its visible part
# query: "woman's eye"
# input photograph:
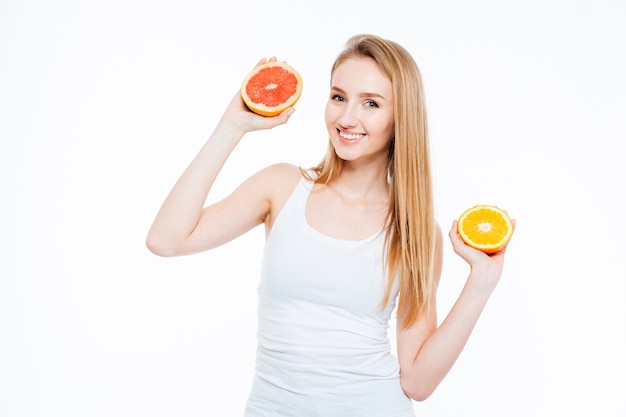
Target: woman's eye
(371, 103)
(337, 97)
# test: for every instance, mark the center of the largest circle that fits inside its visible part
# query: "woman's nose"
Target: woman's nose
(349, 116)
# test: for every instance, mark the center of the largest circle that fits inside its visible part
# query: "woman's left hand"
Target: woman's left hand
(486, 269)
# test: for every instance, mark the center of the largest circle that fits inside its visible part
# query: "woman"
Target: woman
(335, 234)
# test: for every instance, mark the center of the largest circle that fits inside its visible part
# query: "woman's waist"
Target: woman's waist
(325, 361)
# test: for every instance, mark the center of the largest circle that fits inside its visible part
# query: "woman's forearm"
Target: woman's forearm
(180, 212)
(447, 342)
(442, 348)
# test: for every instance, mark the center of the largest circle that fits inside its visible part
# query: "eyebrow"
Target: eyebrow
(363, 94)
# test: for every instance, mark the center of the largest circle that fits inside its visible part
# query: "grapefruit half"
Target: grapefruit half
(271, 88)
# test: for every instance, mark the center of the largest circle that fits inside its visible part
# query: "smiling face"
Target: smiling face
(359, 112)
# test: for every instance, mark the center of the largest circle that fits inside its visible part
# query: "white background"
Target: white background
(103, 104)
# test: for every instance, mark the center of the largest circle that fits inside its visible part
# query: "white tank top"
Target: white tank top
(323, 348)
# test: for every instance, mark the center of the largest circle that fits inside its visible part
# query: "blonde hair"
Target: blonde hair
(410, 234)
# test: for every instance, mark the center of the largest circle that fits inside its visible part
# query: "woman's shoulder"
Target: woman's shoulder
(280, 179)
(281, 174)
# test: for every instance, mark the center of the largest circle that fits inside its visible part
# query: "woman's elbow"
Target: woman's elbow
(159, 246)
(155, 248)
(417, 391)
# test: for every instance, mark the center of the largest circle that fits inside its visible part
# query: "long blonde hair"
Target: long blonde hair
(410, 234)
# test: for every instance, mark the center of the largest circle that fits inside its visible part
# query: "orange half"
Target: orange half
(271, 88)
(485, 227)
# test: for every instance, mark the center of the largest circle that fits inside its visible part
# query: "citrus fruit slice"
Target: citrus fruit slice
(485, 227)
(272, 87)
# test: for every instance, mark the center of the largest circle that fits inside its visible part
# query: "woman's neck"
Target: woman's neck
(362, 183)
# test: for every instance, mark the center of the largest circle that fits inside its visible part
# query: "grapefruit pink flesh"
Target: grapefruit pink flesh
(272, 86)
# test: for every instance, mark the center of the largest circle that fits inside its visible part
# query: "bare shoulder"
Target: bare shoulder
(282, 172)
(280, 179)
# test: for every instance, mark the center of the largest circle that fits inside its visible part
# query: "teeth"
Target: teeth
(349, 137)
